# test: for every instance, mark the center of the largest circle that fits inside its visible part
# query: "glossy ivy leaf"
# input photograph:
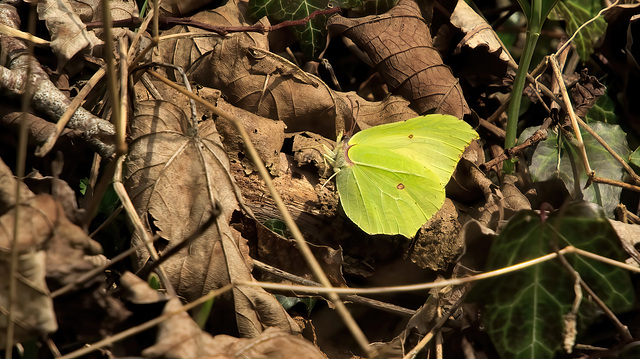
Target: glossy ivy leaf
(277, 226)
(524, 309)
(546, 164)
(635, 158)
(577, 12)
(289, 302)
(603, 110)
(312, 35)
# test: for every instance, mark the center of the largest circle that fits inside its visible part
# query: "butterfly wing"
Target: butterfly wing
(386, 193)
(434, 141)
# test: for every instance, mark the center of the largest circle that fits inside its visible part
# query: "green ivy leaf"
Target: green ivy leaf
(551, 161)
(576, 13)
(603, 110)
(277, 226)
(635, 158)
(288, 302)
(312, 35)
(524, 310)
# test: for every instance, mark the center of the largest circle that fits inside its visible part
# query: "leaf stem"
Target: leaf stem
(516, 95)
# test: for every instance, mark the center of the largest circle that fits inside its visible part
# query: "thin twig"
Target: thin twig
(387, 307)
(7, 30)
(572, 115)
(584, 25)
(112, 78)
(92, 273)
(154, 39)
(622, 329)
(295, 231)
(539, 135)
(138, 226)
(73, 106)
(440, 284)
(427, 338)
(611, 182)
(221, 30)
(21, 158)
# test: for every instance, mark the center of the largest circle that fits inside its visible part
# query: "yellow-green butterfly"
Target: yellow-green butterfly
(391, 177)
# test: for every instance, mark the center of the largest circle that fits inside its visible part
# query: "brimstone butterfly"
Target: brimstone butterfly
(391, 177)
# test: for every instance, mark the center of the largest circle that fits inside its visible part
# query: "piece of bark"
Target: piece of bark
(45, 97)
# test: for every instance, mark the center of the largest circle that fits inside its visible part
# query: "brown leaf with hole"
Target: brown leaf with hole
(178, 177)
(266, 135)
(399, 44)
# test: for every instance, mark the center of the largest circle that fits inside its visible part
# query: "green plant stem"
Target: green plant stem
(516, 95)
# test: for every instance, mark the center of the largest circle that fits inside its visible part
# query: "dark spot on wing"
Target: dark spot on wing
(400, 186)
(411, 136)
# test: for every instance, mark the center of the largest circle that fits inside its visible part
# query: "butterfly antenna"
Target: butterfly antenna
(354, 117)
(328, 179)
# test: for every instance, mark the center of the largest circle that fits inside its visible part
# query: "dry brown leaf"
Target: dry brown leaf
(69, 35)
(179, 337)
(177, 177)
(33, 310)
(48, 245)
(477, 31)
(284, 254)
(586, 92)
(266, 135)
(184, 52)
(399, 44)
(268, 85)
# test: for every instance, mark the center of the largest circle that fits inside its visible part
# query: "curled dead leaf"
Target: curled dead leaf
(268, 85)
(478, 33)
(50, 246)
(68, 34)
(399, 44)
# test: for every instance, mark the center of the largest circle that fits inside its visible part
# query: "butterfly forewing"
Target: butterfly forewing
(435, 141)
(384, 193)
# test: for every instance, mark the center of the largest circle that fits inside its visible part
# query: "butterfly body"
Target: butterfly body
(391, 177)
